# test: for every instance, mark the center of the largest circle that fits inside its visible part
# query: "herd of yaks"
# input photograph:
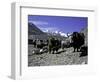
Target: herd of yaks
(52, 45)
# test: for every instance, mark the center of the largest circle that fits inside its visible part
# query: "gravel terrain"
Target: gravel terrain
(65, 57)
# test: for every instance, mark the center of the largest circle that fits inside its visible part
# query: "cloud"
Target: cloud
(39, 22)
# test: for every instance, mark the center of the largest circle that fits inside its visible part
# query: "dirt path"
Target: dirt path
(65, 58)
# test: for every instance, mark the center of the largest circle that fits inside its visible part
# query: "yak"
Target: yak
(77, 40)
(54, 45)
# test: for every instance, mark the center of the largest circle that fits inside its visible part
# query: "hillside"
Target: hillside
(34, 30)
(85, 31)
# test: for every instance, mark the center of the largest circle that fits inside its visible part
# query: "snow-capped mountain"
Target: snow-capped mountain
(57, 33)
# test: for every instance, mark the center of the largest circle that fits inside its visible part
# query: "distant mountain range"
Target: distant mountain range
(34, 30)
(56, 33)
(35, 33)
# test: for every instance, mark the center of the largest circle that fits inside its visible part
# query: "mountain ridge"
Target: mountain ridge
(34, 30)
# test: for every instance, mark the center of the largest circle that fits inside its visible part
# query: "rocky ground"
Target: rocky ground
(67, 57)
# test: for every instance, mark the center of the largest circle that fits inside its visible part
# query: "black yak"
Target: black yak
(54, 45)
(77, 40)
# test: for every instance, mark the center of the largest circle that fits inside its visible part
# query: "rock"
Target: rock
(36, 51)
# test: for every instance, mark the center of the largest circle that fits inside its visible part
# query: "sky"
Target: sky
(65, 24)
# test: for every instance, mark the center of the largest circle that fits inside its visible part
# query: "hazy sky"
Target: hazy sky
(59, 23)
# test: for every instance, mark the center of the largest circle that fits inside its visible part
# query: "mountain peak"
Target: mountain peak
(33, 29)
